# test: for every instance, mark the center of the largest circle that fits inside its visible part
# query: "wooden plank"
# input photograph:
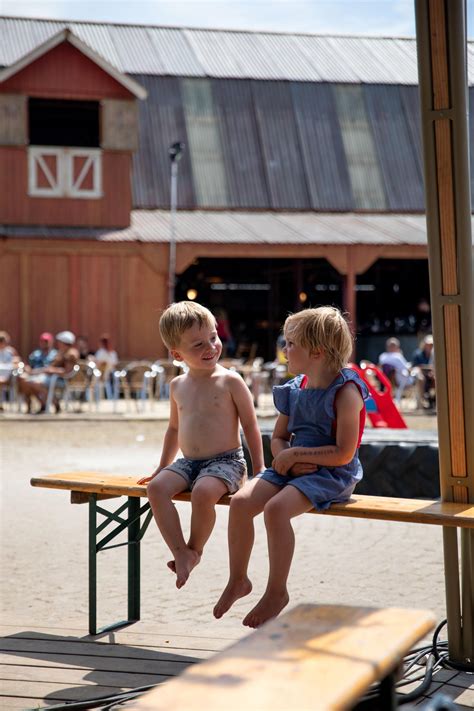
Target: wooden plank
(360, 506)
(313, 656)
(158, 663)
(447, 221)
(96, 649)
(454, 373)
(141, 635)
(70, 676)
(439, 55)
(55, 693)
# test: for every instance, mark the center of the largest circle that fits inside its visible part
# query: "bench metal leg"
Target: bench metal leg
(384, 700)
(127, 516)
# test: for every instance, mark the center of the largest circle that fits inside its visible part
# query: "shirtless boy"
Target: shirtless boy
(208, 404)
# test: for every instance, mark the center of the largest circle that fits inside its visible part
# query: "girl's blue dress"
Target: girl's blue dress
(312, 422)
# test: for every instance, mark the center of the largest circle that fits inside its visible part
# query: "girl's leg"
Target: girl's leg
(160, 492)
(205, 494)
(278, 513)
(245, 505)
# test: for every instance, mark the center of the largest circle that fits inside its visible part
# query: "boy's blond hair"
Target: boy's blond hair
(323, 328)
(178, 317)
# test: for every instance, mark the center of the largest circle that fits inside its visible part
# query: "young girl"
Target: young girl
(315, 445)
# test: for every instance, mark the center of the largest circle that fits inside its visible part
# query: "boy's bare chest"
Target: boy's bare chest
(200, 397)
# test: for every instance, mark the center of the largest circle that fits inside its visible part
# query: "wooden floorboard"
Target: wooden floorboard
(42, 667)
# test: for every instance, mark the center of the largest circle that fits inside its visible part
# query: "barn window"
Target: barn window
(57, 122)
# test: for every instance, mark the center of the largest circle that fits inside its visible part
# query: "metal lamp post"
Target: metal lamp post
(175, 152)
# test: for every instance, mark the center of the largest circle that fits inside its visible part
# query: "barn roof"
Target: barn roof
(270, 121)
(225, 227)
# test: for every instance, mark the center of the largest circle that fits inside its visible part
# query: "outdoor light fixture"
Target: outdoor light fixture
(175, 152)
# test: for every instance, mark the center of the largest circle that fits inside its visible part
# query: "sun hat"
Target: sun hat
(46, 336)
(66, 337)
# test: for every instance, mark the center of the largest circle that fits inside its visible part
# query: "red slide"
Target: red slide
(381, 409)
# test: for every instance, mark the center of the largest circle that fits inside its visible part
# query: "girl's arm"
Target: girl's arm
(349, 403)
(281, 435)
(248, 419)
(170, 441)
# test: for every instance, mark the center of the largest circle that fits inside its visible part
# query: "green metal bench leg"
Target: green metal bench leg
(92, 564)
(135, 532)
(134, 560)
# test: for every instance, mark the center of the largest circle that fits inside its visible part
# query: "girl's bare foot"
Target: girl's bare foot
(183, 564)
(270, 605)
(232, 592)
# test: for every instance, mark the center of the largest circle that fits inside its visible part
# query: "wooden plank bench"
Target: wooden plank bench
(312, 657)
(92, 487)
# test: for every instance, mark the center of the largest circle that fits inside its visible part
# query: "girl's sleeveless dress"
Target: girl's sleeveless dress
(311, 416)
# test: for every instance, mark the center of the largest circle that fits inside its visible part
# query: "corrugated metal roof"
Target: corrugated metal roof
(397, 156)
(243, 158)
(162, 123)
(228, 54)
(223, 227)
(210, 183)
(359, 148)
(281, 148)
(322, 147)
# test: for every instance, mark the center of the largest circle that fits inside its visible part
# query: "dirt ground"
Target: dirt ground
(44, 542)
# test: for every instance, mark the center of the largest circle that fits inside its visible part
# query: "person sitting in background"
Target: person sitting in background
(9, 359)
(106, 359)
(423, 370)
(82, 345)
(393, 363)
(44, 354)
(62, 364)
(105, 355)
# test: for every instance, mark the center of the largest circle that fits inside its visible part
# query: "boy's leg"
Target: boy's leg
(160, 492)
(205, 494)
(278, 513)
(245, 505)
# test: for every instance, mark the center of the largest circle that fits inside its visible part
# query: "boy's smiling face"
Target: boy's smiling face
(200, 347)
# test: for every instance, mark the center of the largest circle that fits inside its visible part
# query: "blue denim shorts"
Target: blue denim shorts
(229, 466)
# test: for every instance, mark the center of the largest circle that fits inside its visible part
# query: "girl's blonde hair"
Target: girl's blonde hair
(178, 317)
(323, 328)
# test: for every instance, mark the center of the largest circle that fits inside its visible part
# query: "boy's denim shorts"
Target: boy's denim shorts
(229, 466)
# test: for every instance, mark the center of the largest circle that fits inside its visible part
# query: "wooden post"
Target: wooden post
(442, 46)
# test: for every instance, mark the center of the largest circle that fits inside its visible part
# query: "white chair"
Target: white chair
(79, 381)
(136, 381)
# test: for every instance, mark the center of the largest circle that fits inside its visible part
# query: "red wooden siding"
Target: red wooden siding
(10, 297)
(147, 297)
(16, 207)
(87, 288)
(48, 297)
(66, 73)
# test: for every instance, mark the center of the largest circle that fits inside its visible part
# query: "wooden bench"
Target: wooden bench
(92, 487)
(312, 657)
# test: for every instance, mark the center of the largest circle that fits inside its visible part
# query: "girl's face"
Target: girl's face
(299, 358)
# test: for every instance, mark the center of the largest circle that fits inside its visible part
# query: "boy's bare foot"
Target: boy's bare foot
(270, 605)
(232, 592)
(183, 565)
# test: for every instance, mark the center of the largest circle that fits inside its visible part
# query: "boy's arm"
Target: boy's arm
(248, 419)
(348, 406)
(170, 441)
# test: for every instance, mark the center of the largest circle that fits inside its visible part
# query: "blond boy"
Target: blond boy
(208, 403)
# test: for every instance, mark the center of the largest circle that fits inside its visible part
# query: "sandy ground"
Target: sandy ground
(44, 543)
